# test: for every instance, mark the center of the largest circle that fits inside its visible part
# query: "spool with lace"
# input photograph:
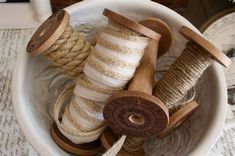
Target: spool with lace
(110, 65)
(60, 44)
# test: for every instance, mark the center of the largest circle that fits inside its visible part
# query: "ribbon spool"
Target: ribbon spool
(136, 112)
(89, 88)
(60, 44)
(88, 149)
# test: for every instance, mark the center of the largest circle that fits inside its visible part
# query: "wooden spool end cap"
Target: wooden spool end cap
(109, 138)
(48, 33)
(179, 117)
(136, 113)
(163, 29)
(209, 47)
(88, 149)
(135, 26)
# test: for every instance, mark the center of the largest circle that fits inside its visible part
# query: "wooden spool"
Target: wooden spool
(48, 33)
(88, 149)
(108, 137)
(179, 117)
(206, 45)
(136, 112)
(135, 26)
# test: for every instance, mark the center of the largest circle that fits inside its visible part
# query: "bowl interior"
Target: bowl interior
(36, 84)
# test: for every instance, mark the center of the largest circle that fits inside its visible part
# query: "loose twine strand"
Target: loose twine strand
(69, 52)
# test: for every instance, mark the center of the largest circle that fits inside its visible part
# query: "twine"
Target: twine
(69, 52)
(133, 144)
(116, 147)
(183, 73)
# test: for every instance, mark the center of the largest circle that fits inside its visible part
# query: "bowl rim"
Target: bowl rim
(42, 147)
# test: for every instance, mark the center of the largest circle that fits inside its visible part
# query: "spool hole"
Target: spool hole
(137, 119)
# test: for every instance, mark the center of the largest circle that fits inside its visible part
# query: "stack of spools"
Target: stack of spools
(125, 50)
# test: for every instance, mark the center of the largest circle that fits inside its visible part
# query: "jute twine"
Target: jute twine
(69, 52)
(182, 75)
(133, 144)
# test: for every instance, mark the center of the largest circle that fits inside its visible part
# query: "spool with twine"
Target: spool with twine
(62, 45)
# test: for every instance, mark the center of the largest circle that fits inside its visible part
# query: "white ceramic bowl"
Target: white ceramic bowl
(36, 84)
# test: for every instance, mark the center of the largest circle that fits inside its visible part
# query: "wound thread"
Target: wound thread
(69, 52)
(183, 73)
(133, 144)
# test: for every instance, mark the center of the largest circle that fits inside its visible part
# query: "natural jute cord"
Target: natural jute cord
(69, 52)
(183, 73)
